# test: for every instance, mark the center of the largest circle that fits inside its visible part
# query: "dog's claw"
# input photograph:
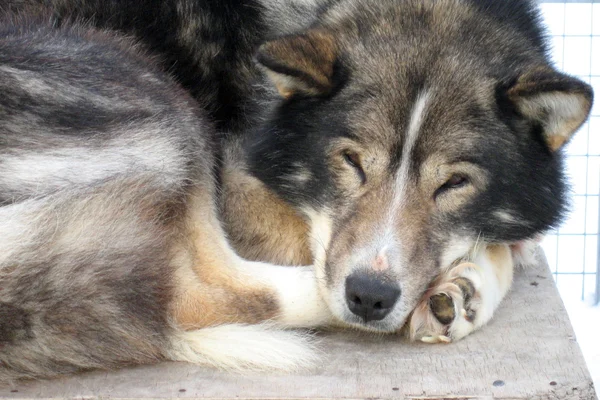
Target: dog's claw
(444, 339)
(436, 339)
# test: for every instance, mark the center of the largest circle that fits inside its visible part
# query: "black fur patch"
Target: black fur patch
(210, 59)
(15, 324)
(522, 15)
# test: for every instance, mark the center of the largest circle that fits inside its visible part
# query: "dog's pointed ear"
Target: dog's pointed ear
(302, 63)
(559, 103)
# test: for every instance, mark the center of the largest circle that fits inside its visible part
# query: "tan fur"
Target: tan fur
(210, 288)
(561, 111)
(313, 69)
(260, 225)
(285, 86)
(436, 170)
(556, 142)
(501, 258)
(201, 305)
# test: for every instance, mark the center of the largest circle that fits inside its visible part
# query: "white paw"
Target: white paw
(452, 307)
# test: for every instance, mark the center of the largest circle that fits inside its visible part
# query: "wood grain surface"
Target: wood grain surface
(528, 351)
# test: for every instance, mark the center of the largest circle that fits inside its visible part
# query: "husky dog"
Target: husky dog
(407, 150)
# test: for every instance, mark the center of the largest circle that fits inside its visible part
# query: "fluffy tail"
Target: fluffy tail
(237, 348)
(245, 348)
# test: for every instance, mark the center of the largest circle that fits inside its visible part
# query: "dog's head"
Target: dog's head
(409, 130)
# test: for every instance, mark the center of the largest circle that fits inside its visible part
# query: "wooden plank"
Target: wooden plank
(528, 351)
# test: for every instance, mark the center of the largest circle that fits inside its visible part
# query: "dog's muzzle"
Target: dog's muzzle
(371, 296)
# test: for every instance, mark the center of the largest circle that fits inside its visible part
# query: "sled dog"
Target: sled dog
(164, 163)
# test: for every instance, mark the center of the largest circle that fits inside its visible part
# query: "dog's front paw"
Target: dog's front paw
(464, 298)
(451, 308)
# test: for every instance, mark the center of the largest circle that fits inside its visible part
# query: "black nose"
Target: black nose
(371, 296)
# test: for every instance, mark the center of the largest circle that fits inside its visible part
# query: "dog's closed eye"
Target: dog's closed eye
(456, 181)
(353, 159)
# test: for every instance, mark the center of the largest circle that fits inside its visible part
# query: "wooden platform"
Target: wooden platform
(528, 352)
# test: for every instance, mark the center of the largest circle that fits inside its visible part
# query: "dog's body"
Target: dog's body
(398, 138)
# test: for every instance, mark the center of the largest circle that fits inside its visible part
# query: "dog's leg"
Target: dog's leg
(464, 298)
(232, 317)
(260, 225)
(216, 286)
(249, 292)
(230, 312)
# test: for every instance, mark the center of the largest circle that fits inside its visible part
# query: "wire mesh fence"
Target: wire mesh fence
(573, 249)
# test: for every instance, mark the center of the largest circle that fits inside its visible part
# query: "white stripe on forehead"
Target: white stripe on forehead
(410, 139)
(417, 116)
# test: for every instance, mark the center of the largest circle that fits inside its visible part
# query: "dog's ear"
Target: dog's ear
(302, 63)
(559, 103)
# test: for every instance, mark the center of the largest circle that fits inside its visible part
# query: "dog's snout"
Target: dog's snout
(371, 296)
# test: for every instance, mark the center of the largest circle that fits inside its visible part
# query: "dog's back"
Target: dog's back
(207, 45)
(95, 151)
(111, 251)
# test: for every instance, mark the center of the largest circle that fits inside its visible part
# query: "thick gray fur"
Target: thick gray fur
(97, 151)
